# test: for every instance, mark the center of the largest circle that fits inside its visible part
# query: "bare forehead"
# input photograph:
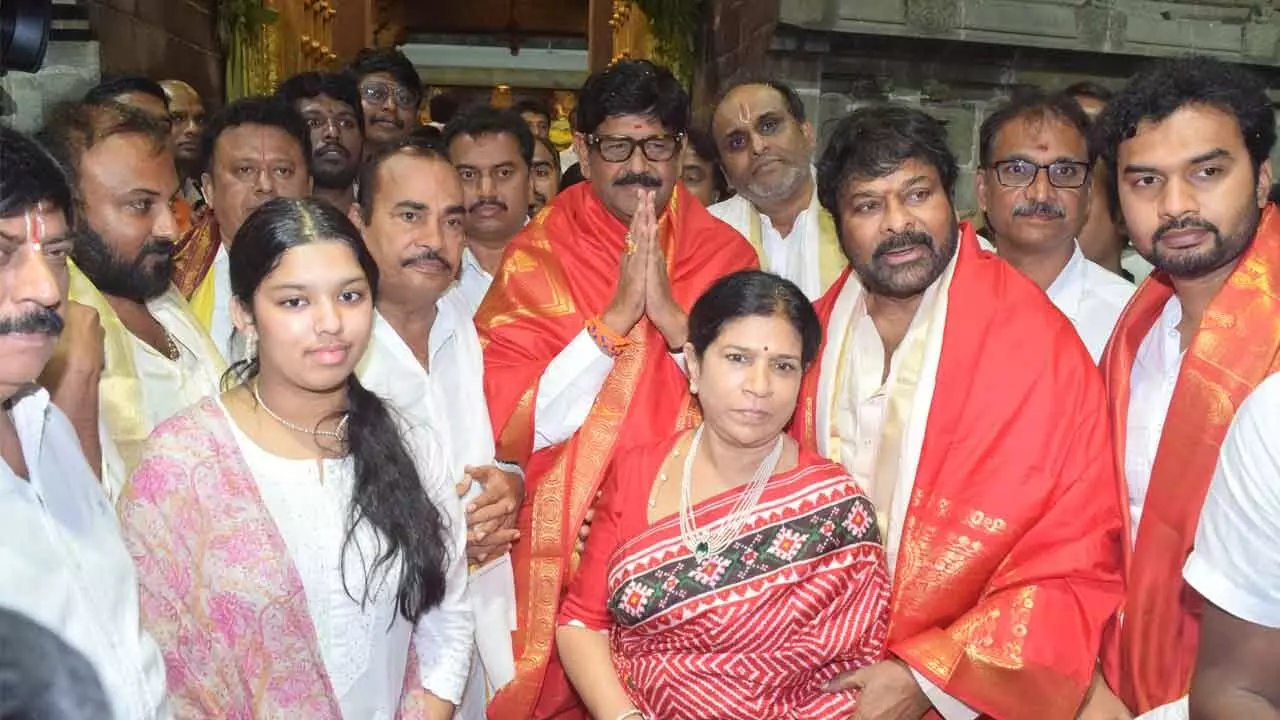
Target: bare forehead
(1188, 132)
(427, 179)
(324, 103)
(913, 172)
(634, 125)
(490, 147)
(1039, 132)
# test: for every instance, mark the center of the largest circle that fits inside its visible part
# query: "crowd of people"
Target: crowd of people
(314, 412)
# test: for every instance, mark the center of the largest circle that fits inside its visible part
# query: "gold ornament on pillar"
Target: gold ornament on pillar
(501, 97)
(246, 33)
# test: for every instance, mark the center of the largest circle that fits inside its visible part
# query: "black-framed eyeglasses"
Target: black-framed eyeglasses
(1062, 173)
(620, 148)
(377, 93)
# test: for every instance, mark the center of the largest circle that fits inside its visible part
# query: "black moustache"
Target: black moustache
(1184, 224)
(428, 256)
(1040, 208)
(902, 241)
(492, 202)
(641, 179)
(44, 321)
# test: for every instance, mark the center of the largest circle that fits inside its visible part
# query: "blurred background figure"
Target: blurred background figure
(43, 678)
(186, 118)
(536, 115)
(441, 108)
(700, 169)
(390, 91)
(546, 174)
(329, 104)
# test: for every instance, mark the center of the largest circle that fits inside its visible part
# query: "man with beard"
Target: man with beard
(425, 357)
(582, 333)
(962, 400)
(766, 146)
(390, 91)
(156, 358)
(1186, 146)
(546, 174)
(1033, 185)
(330, 105)
(492, 150)
(187, 117)
(61, 556)
(254, 150)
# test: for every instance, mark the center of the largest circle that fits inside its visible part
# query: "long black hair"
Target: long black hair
(388, 490)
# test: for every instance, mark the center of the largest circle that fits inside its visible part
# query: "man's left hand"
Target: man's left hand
(491, 517)
(887, 691)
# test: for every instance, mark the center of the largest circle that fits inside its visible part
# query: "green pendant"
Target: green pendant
(701, 551)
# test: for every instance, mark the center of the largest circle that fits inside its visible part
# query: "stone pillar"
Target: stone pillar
(161, 39)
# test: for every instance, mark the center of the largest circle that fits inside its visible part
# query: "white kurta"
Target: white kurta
(450, 401)
(168, 386)
(1091, 297)
(794, 256)
(221, 329)
(847, 320)
(65, 566)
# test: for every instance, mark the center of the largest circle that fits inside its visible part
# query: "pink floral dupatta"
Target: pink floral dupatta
(218, 590)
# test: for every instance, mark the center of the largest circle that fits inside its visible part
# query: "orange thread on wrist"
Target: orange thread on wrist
(609, 342)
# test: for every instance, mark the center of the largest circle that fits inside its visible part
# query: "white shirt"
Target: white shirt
(1091, 297)
(568, 388)
(473, 280)
(65, 566)
(449, 399)
(1137, 265)
(221, 328)
(1236, 561)
(794, 256)
(1155, 373)
(168, 386)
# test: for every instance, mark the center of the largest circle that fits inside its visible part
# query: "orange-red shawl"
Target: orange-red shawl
(1150, 657)
(558, 273)
(1009, 565)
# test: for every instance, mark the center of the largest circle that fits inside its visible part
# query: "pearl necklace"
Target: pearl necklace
(335, 434)
(705, 542)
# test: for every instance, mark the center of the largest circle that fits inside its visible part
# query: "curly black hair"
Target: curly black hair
(874, 141)
(392, 62)
(1167, 86)
(339, 86)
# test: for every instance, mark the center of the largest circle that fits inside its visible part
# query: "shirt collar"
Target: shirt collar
(1067, 290)
(29, 409)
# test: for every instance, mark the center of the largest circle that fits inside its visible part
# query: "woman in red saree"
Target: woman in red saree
(729, 574)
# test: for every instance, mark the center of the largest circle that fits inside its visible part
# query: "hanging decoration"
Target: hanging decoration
(244, 35)
(674, 28)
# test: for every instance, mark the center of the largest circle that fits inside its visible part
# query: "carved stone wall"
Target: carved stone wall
(958, 59)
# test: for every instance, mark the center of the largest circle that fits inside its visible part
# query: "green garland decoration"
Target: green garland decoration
(674, 24)
(240, 24)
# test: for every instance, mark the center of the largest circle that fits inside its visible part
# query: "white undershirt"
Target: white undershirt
(1155, 373)
(221, 328)
(309, 501)
(1092, 298)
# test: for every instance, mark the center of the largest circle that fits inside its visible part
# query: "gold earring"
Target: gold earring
(693, 388)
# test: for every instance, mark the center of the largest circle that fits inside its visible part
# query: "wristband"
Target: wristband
(609, 342)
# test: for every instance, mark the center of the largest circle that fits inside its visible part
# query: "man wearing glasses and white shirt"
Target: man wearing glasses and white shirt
(1033, 185)
(62, 561)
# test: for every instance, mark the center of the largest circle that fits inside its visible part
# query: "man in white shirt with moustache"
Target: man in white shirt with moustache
(425, 358)
(1033, 184)
(766, 149)
(61, 556)
(492, 151)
